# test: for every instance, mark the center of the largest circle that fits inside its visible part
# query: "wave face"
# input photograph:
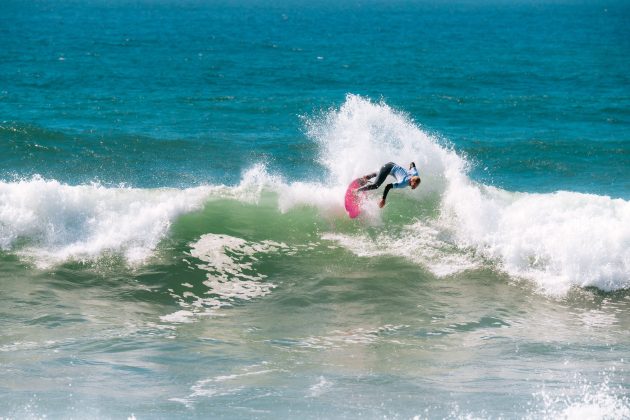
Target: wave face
(451, 223)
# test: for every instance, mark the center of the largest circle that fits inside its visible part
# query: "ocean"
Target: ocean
(173, 239)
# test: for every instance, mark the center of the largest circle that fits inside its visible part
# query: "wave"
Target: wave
(451, 223)
(49, 222)
(558, 240)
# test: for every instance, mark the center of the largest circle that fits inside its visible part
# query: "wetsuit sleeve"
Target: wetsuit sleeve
(386, 191)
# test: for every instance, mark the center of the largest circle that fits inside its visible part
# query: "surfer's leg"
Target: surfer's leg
(382, 174)
(366, 187)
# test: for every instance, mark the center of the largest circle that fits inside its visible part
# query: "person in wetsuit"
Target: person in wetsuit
(404, 178)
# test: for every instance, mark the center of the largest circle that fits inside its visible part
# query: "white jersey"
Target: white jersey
(402, 176)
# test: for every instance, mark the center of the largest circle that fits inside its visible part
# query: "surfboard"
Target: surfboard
(354, 198)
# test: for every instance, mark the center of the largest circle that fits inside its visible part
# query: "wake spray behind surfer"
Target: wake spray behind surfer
(404, 178)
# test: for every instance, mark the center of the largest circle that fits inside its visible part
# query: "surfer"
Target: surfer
(404, 178)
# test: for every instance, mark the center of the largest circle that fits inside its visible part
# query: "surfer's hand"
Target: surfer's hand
(412, 165)
(381, 203)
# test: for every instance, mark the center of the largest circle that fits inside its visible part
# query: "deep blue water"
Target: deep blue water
(173, 242)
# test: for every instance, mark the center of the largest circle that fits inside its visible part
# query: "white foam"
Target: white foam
(420, 243)
(592, 402)
(51, 222)
(57, 222)
(178, 317)
(358, 139)
(327, 199)
(229, 263)
(598, 406)
(231, 275)
(557, 240)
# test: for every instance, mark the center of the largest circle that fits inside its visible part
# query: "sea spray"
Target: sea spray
(361, 136)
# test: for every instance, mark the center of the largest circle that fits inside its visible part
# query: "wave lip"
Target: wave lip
(361, 136)
(558, 240)
(50, 222)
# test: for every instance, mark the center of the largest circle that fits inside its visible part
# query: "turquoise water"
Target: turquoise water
(173, 242)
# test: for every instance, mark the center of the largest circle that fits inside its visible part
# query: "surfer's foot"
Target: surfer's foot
(368, 177)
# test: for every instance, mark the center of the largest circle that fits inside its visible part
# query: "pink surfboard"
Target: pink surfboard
(354, 198)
